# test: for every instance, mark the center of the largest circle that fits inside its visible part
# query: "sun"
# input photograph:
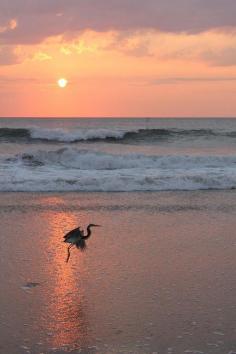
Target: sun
(62, 83)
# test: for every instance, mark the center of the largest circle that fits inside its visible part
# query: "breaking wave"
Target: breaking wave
(71, 169)
(105, 134)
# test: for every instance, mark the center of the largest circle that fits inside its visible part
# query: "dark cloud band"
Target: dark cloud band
(38, 19)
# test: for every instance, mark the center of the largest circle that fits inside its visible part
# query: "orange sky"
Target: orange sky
(115, 71)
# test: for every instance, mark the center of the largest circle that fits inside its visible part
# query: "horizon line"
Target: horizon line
(119, 117)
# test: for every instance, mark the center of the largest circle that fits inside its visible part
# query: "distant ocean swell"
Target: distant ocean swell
(103, 134)
(71, 169)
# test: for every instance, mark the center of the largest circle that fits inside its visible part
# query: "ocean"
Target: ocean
(117, 155)
(158, 276)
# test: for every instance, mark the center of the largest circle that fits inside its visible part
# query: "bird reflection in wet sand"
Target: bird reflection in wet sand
(76, 237)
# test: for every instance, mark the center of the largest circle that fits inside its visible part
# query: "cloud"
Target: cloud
(224, 57)
(37, 20)
(10, 26)
(41, 56)
(8, 56)
(213, 47)
(5, 80)
(133, 43)
(181, 80)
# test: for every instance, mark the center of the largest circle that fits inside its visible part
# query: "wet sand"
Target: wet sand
(158, 277)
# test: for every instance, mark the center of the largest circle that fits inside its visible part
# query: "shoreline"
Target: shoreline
(159, 273)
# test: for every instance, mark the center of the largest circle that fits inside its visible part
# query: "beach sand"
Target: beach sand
(157, 277)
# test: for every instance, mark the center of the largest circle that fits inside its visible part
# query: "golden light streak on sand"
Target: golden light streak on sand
(67, 310)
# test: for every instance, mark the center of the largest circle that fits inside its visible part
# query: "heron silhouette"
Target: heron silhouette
(76, 237)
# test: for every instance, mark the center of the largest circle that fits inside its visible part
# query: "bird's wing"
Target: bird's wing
(70, 233)
(81, 244)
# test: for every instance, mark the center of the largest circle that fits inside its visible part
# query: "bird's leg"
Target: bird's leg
(68, 256)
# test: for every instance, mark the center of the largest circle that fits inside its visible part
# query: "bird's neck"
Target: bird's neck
(88, 233)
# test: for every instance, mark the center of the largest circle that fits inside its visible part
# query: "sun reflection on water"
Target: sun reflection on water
(67, 323)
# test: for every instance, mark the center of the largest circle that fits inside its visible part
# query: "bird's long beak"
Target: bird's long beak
(98, 225)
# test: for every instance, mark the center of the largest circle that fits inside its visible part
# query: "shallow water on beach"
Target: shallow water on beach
(158, 277)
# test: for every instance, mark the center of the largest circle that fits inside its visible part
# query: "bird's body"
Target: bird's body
(74, 235)
(77, 238)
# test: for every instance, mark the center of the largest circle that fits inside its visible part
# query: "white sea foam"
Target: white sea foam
(91, 160)
(70, 169)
